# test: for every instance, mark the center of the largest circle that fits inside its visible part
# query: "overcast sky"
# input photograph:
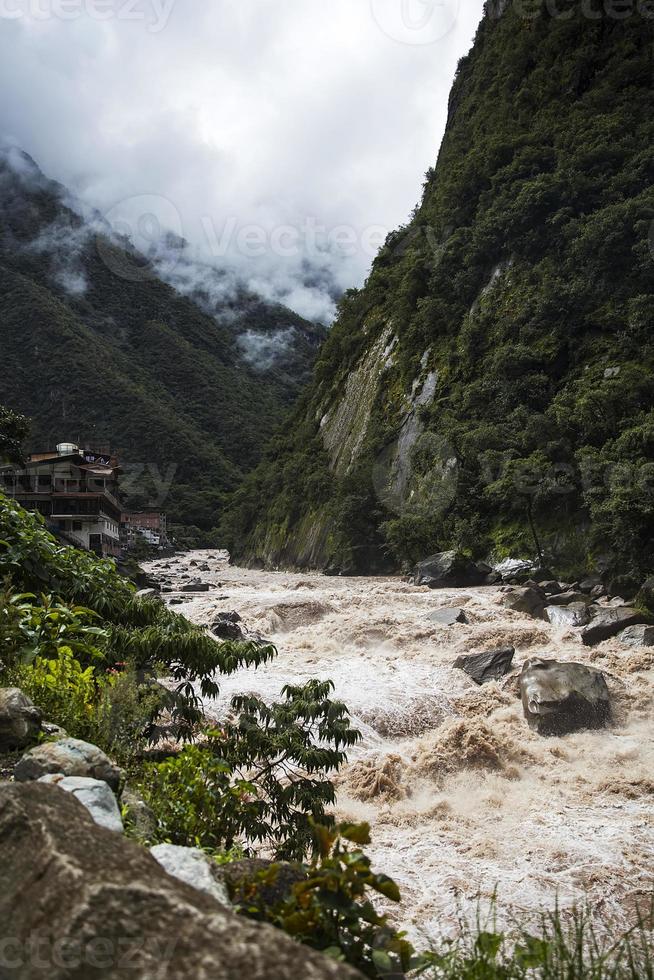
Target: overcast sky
(266, 132)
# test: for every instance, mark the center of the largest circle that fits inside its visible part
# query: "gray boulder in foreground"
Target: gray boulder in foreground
(558, 698)
(191, 865)
(489, 666)
(94, 794)
(70, 757)
(20, 720)
(637, 636)
(115, 912)
(607, 622)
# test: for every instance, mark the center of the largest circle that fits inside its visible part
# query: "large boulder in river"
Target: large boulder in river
(563, 697)
(607, 622)
(226, 627)
(196, 587)
(448, 569)
(485, 667)
(20, 720)
(525, 600)
(637, 636)
(71, 757)
(102, 907)
(446, 617)
(574, 614)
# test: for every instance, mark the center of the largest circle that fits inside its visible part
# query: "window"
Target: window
(77, 525)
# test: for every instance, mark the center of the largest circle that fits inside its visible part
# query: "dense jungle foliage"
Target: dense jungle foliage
(524, 281)
(97, 349)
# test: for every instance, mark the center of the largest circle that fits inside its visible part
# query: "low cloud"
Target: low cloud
(264, 351)
(294, 134)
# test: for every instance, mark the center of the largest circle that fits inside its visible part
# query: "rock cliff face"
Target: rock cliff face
(494, 376)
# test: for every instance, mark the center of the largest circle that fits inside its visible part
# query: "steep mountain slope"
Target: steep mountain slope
(96, 348)
(491, 386)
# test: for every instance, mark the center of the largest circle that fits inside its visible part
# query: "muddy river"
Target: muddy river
(463, 799)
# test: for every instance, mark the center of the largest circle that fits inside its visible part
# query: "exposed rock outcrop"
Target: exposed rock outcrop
(260, 882)
(116, 912)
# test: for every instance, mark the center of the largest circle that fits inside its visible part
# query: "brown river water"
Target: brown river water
(463, 799)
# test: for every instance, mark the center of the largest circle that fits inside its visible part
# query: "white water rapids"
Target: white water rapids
(462, 797)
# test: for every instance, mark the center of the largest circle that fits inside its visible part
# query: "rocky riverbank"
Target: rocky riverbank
(462, 794)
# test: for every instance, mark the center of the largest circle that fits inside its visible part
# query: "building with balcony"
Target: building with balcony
(76, 491)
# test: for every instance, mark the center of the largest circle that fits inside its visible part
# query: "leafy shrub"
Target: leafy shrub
(142, 633)
(65, 691)
(330, 909)
(196, 800)
(43, 627)
(125, 713)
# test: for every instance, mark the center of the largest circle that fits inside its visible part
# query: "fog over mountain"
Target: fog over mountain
(280, 141)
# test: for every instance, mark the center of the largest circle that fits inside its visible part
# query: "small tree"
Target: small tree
(13, 432)
(261, 777)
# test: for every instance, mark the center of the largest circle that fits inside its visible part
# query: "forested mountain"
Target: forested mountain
(97, 349)
(491, 388)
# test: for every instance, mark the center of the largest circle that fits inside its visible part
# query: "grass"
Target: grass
(560, 948)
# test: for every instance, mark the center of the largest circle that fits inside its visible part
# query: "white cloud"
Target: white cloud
(237, 113)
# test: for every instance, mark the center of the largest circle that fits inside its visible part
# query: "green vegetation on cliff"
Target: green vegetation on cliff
(507, 329)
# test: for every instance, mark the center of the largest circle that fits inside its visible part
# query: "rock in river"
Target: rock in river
(637, 636)
(447, 617)
(525, 600)
(575, 614)
(608, 622)
(448, 569)
(563, 697)
(489, 666)
(196, 587)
